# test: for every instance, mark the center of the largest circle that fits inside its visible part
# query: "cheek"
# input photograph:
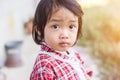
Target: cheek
(46, 35)
(74, 37)
(50, 36)
(74, 34)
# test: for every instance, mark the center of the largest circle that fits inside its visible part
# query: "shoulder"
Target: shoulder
(46, 60)
(43, 68)
(43, 64)
(42, 60)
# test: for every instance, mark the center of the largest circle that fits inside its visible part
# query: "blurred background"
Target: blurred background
(101, 37)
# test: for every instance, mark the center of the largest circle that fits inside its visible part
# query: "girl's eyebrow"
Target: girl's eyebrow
(56, 20)
(60, 20)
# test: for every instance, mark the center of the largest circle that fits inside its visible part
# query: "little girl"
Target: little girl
(57, 27)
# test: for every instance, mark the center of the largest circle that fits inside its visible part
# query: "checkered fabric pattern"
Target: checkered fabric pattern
(49, 68)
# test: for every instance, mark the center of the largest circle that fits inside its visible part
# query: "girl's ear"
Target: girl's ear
(39, 33)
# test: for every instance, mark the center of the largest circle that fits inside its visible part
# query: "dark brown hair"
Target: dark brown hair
(44, 11)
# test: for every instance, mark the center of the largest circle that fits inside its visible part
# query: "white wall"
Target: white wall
(13, 13)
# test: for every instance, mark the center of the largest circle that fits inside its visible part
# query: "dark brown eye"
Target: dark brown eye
(71, 26)
(55, 26)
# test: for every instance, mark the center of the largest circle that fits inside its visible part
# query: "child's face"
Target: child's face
(61, 30)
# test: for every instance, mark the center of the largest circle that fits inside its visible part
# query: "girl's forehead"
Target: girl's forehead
(62, 14)
(59, 8)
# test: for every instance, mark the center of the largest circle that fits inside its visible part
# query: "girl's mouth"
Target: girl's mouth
(64, 44)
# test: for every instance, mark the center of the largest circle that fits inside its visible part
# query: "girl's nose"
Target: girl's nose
(64, 34)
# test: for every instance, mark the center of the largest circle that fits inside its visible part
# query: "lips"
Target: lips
(64, 44)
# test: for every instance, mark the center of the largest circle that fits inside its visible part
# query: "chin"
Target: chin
(63, 50)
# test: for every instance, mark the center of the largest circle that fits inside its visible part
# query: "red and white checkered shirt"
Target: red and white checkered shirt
(53, 65)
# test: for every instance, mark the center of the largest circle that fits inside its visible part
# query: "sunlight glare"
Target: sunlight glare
(91, 3)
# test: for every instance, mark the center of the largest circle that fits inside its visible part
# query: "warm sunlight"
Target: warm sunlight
(91, 3)
(102, 35)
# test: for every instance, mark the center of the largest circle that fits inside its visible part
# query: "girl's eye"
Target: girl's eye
(71, 26)
(55, 26)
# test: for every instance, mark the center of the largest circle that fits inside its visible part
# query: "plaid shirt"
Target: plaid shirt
(50, 65)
